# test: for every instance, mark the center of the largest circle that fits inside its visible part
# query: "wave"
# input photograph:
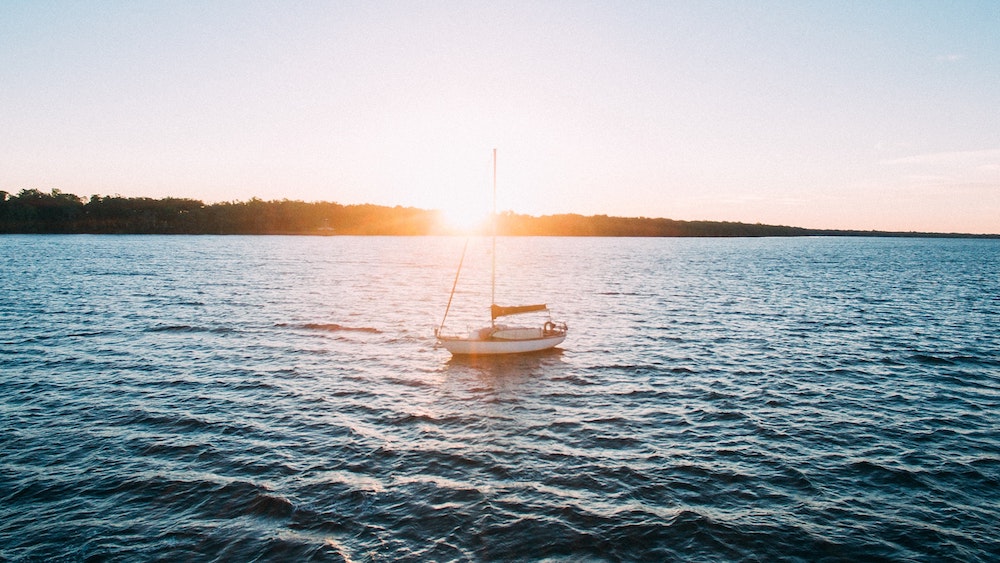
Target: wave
(190, 328)
(211, 499)
(332, 327)
(89, 333)
(882, 474)
(932, 360)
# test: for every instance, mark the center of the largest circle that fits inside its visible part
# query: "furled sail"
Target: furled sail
(499, 311)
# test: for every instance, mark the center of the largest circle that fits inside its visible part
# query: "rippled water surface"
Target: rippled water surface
(281, 398)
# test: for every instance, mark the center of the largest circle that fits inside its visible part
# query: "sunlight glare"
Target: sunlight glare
(465, 218)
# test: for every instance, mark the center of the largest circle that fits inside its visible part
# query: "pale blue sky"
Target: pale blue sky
(867, 115)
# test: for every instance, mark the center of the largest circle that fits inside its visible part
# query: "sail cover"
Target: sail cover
(499, 311)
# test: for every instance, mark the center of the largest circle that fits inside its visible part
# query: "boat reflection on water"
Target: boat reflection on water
(505, 369)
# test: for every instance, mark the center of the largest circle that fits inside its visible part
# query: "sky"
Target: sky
(857, 115)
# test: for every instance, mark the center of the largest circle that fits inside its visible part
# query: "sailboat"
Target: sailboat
(500, 338)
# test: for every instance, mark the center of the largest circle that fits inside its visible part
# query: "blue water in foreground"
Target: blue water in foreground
(281, 398)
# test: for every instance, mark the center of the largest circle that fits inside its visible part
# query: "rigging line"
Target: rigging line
(453, 286)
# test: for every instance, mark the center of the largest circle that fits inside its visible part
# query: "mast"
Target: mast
(493, 221)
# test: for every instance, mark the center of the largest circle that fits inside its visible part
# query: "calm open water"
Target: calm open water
(281, 398)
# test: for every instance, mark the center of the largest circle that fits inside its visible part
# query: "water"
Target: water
(280, 398)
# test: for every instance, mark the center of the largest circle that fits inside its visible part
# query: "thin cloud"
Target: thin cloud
(950, 58)
(974, 175)
(985, 157)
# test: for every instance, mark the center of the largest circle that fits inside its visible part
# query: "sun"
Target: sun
(466, 219)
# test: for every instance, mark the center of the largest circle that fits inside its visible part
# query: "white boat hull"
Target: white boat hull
(492, 346)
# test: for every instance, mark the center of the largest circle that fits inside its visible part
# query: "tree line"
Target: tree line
(34, 211)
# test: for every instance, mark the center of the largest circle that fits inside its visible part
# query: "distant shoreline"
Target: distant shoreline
(816, 234)
(36, 212)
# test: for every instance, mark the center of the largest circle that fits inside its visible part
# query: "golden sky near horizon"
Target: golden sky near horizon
(852, 115)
